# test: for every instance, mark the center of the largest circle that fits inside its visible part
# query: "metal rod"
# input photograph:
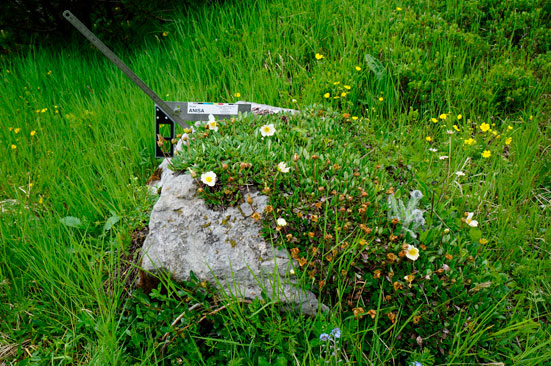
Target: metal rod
(122, 66)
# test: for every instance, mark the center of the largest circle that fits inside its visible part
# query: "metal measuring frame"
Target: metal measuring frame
(191, 111)
(166, 113)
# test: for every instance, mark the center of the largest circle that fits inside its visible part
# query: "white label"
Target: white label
(198, 108)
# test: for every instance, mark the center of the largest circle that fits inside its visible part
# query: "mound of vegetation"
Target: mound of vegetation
(366, 237)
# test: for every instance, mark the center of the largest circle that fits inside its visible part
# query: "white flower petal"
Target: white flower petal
(282, 167)
(267, 130)
(209, 178)
(412, 252)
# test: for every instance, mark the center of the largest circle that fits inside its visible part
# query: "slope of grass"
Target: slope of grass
(77, 147)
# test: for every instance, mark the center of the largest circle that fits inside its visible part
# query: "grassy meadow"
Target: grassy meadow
(447, 99)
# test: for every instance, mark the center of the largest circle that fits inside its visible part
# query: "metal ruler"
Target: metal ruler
(121, 65)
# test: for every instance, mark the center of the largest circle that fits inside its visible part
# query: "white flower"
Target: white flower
(212, 123)
(433, 149)
(267, 130)
(460, 173)
(282, 167)
(449, 132)
(281, 222)
(443, 157)
(209, 178)
(412, 252)
(469, 220)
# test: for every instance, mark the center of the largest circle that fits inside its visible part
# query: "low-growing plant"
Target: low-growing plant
(337, 213)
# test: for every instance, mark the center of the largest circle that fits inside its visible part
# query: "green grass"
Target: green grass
(62, 296)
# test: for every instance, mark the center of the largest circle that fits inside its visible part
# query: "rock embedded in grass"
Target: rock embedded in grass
(224, 247)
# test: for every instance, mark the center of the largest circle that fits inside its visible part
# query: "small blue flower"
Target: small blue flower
(415, 363)
(324, 337)
(336, 333)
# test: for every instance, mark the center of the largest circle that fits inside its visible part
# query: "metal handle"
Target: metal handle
(122, 66)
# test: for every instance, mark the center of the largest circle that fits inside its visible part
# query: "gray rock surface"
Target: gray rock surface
(225, 248)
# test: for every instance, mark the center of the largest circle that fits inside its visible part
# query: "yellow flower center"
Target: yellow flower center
(412, 251)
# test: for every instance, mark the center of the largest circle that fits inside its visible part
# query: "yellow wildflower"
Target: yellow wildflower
(398, 9)
(354, 118)
(347, 87)
(443, 116)
(343, 94)
(165, 34)
(509, 128)
(319, 56)
(380, 99)
(17, 130)
(33, 133)
(455, 127)
(326, 95)
(508, 140)
(237, 95)
(428, 138)
(13, 147)
(485, 127)
(483, 241)
(459, 117)
(336, 83)
(434, 120)
(358, 68)
(486, 154)
(469, 141)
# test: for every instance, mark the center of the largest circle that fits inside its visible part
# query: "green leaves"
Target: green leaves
(71, 221)
(111, 221)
